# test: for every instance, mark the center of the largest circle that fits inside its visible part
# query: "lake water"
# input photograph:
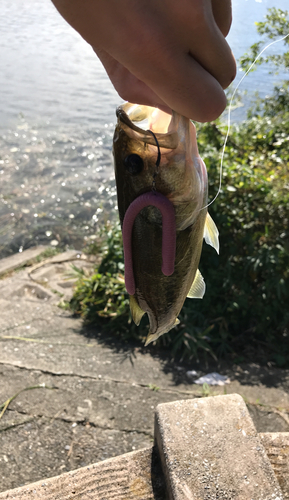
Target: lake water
(56, 124)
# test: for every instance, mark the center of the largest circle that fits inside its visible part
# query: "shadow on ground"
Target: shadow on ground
(249, 373)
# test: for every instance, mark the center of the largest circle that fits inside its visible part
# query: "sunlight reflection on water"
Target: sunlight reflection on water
(55, 187)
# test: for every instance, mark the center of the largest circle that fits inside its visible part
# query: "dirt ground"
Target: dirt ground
(85, 396)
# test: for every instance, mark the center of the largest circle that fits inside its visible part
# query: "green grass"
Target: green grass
(244, 313)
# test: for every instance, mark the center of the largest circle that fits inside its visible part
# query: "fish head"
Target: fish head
(181, 175)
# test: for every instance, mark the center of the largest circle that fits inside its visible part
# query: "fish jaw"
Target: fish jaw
(152, 337)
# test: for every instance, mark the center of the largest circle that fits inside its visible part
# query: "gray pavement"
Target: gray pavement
(96, 396)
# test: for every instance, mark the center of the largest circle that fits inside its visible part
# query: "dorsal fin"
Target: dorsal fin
(211, 233)
(198, 287)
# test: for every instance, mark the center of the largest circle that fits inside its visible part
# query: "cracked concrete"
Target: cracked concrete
(98, 395)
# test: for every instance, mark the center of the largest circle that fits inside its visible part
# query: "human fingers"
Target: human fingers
(162, 58)
(210, 102)
(159, 43)
(222, 11)
(129, 87)
(159, 57)
(195, 28)
(186, 67)
(192, 91)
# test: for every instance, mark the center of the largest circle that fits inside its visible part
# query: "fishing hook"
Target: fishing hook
(157, 162)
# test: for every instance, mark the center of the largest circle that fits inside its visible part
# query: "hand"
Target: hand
(170, 54)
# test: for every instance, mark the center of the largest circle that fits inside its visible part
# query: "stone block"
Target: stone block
(209, 449)
(276, 445)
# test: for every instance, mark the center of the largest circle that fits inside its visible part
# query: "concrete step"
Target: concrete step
(19, 259)
(136, 475)
(210, 449)
(276, 445)
(205, 449)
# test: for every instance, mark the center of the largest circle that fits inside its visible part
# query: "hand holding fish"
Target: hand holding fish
(163, 53)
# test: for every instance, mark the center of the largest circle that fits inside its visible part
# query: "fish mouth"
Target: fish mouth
(152, 336)
(139, 121)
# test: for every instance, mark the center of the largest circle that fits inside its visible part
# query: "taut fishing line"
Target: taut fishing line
(229, 115)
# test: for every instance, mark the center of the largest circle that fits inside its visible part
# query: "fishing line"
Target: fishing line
(229, 115)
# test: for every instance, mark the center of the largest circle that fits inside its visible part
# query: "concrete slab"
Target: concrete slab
(136, 475)
(58, 275)
(107, 390)
(210, 449)
(276, 445)
(19, 259)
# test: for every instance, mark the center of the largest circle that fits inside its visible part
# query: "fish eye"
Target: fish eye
(134, 164)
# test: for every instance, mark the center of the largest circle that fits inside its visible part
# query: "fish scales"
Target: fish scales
(181, 177)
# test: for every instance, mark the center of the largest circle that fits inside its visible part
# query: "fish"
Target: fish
(162, 194)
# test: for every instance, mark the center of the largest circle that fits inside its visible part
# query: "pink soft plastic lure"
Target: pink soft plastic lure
(166, 208)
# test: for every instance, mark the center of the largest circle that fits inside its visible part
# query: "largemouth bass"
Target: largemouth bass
(162, 191)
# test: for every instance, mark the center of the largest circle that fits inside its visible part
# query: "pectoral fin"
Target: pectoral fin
(211, 233)
(198, 288)
(136, 312)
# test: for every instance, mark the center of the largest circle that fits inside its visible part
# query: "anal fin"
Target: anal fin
(136, 311)
(198, 288)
